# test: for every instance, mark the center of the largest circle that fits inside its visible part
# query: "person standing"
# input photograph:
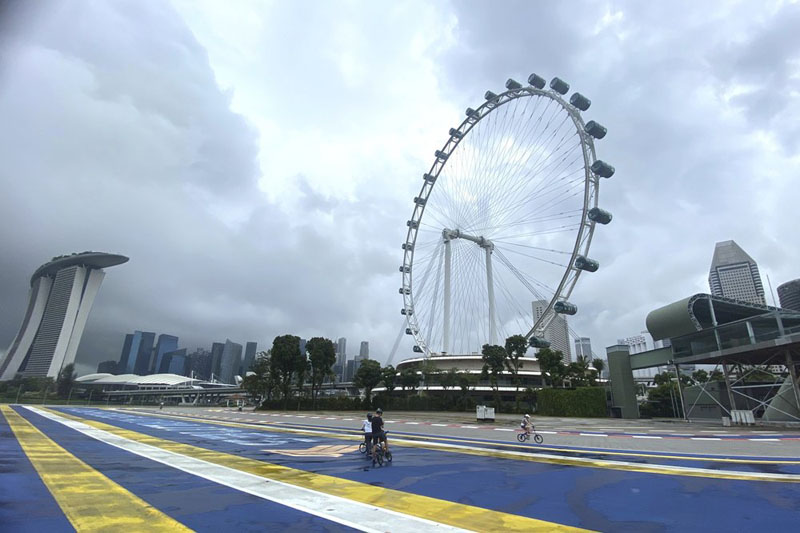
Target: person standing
(378, 434)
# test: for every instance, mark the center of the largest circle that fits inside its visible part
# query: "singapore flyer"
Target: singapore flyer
(501, 228)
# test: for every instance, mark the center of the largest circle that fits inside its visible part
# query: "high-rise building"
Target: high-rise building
(341, 357)
(789, 295)
(231, 361)
(583, 348)
(60, 299)
(216, 360)
(250, 357)
(175, 362)
(166, 343)
(139, 351)
(557, 332)
(735, 275)
(107, 367)
(350, 371)
(122, 365)
(200, 364)
(364, 350)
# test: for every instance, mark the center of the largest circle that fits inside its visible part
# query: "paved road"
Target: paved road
(221, 470)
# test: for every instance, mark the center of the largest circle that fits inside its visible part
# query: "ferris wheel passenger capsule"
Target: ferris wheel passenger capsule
(404, 290)
(441, 156)
(407, 312)
(584, 263)
(512, 84)
(429, 178)
(489, 95)
(417, 349)
(407, 246)
(565, 308)
(405, 269)
(602, 169)
(412, 224)
(409, 331)
(598, 215)
(469, 112)
(419, 201)
(580, 101)
(595, 129)
(536, 81)
(559, 85)
(538, 342)
(455, 133)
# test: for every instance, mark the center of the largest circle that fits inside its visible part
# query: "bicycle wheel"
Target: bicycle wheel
(389, 456)
(379, 457)
(362, 447)
(538, 438)
(521, 437)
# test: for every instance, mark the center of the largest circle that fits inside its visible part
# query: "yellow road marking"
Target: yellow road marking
(318, 451)
(568, 461)
(451, 513)
(90, 500)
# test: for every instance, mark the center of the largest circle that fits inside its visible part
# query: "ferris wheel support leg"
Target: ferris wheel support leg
(447, 262)
(490, 285)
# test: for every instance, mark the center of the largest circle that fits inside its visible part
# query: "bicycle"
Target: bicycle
(524, 436)
(382, 453)
(362, 447)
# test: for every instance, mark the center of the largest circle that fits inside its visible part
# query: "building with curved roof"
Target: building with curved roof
(789, 295)
(60, 299)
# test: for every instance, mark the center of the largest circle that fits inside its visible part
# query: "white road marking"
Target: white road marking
(646, 437)
(548, 432)
(334, 508)
(470, 427)
(412, 423)
(765, 440)
(706, 438)
(496, 429)
(592, 435)
(440, 425)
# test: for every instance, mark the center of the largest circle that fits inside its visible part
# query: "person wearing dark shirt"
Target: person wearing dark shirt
(378, 434)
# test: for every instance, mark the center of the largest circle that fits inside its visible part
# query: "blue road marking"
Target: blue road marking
(589, 497)
(196, 502)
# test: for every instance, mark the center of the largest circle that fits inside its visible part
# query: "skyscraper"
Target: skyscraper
(250, 356)
(341, 358)
(216, 360)
(557, 332)
(140, 350)
(583, 348)
(60, 299)
(107, 367)
(200, 364)
(789, 295)
(364, 350)
(734, 274)
(166, 343)
(175, 362)
(231, 361)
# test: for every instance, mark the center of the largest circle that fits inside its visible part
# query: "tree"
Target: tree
(578, 372)
(551, 365)
(389, 377)
(716, 375)
(429, 371)
(494, 359)
(263, 379)
(599, 365)
(65, 380)
(516, 347)
(700, 376)
(322, 356)
(409, 379)
(466, 381)
(285, 361)
(368, 376)
(449, 379)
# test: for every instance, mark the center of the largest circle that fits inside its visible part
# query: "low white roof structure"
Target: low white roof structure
(166, 380)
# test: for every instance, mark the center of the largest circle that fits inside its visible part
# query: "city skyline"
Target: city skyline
(231, 156)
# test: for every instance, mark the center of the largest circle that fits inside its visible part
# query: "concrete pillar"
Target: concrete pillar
(623, 389)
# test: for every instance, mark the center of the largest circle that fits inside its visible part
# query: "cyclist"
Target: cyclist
(366, 427)
(378, 434)
(526, 424)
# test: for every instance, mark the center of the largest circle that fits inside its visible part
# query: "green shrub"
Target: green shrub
(580, 402)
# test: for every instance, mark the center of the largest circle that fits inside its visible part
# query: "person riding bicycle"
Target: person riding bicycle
(526, 424)
(378, 434)
(366, 427)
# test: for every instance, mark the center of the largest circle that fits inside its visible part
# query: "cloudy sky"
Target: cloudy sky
(257, 160)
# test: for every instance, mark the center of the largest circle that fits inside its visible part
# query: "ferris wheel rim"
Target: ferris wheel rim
(583, 235)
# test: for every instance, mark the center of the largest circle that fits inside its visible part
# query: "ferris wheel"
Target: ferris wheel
(501, 228)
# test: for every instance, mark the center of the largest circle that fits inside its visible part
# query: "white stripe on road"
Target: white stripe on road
(496, 429)
(470, 427)
(592, 435)
(440, 425)
(341, 510)
(549, 432)
(412, 423)
(766, 440)
(646, 437)
(706, 438)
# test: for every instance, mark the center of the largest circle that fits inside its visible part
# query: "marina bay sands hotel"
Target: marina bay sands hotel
(61, 297)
